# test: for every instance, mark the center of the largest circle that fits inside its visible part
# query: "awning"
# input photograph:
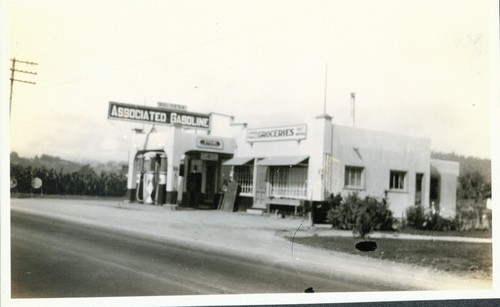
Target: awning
(282, 160)
(238, 161)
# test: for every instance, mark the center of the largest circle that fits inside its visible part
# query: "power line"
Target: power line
(13, 79)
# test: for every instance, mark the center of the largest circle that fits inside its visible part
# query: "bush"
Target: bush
(361, 215)
(417, 218)
(433, 221)
(343, 215)
(334, 201)
(379, 212)
(364, 223)
(320, 209)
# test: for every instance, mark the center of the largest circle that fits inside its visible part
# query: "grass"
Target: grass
(473, 233)
(476, 233)
(473, 259)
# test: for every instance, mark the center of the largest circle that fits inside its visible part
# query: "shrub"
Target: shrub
(433, 221)
(361, 215)
(417, 218)
(379, 213)
(343, 215)
(364, 222)
(321, 209)
(334, 201)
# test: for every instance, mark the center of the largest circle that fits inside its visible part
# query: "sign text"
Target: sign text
(157, 115)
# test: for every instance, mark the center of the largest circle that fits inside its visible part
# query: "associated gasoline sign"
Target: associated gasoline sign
(152, 115)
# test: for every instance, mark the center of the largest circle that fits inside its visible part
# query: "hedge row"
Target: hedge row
(364, 215)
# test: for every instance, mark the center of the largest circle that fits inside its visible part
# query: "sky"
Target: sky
(418, 68)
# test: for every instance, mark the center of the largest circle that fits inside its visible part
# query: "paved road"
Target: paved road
(55, 258)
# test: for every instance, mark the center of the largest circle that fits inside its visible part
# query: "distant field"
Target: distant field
(473, 259)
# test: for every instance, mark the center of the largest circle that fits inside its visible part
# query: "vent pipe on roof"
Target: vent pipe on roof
(326, 86)
(353, 108)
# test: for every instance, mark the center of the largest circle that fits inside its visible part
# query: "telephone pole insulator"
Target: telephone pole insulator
(13, 79)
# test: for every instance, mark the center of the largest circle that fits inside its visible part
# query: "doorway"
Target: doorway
(419, 178)
(434, 192)
(261, 187)
(202, 173)
(210, 182)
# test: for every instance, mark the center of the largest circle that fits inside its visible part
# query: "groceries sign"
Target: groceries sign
(157, 115)
(296, 132)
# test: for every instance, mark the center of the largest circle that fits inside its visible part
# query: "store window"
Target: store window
(397, 180)
(354, 177)
(243, 174)
(288, 181)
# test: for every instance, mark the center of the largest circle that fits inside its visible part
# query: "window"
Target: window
(353, 177)
(243, 174)
(288, 181)
(397, 180)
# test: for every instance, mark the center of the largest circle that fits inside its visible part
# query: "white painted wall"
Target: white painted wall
(379, 153)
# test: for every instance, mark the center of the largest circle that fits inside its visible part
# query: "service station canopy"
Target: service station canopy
(144, 114)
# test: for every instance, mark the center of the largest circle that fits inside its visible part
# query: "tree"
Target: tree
(474, 187)
(14, 156)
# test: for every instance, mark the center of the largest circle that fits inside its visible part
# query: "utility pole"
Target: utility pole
(12, 77)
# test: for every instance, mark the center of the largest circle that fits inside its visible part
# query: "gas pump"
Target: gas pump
(161, 190)
(152, 182)
(139, 180)
(149, 179)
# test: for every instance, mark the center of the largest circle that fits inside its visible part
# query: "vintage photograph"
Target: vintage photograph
(183, 149)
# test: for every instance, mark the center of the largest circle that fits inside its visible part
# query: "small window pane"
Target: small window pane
(397, 180)
(353, 177)
(244, 176)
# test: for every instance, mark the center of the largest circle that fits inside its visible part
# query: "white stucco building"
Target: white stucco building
(284, 167)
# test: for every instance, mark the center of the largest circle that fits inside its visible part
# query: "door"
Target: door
(211, 181)
(434, 193)
(261, 187)
(418, 189)
(193, 183)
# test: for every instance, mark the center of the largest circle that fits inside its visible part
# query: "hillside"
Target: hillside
(46, 161)
(58, 164)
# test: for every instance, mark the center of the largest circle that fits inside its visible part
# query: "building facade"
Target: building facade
(284, 167)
